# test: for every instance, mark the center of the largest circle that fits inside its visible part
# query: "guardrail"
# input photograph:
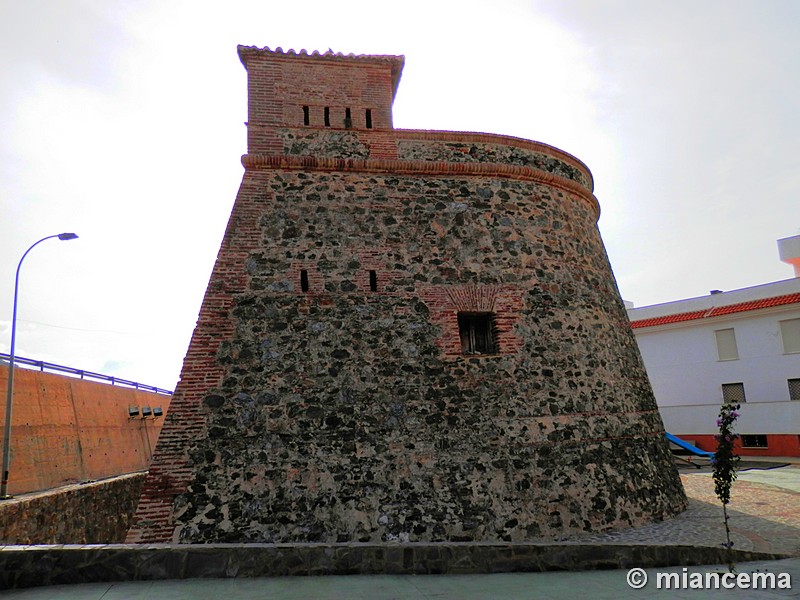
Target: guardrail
(52, 367)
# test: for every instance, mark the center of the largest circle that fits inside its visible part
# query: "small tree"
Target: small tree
(725, 463)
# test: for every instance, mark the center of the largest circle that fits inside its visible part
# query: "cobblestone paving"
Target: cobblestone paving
(764, 518)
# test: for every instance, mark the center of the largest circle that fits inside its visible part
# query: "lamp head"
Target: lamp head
(67, 236)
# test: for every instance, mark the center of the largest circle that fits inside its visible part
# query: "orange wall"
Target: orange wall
(66, 430)
(778, 444)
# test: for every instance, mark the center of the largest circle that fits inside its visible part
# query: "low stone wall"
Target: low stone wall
(35, 566)
(90, 513)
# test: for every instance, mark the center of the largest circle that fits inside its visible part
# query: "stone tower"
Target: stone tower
(408, 335)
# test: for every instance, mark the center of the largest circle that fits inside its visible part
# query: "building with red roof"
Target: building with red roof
(740, 346)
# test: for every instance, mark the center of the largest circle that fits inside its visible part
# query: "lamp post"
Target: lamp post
(10, 390)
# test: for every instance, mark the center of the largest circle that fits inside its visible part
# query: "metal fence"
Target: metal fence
(43, 366)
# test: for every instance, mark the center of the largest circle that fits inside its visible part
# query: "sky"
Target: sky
(123, 121)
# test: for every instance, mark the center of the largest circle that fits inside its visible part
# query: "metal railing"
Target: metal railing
(52, 367)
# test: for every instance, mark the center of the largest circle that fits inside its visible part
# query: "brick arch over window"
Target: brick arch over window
(473, 298)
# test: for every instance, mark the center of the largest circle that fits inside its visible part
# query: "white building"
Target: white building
(737, 346)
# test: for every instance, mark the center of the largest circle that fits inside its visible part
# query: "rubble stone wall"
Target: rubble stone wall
(481, 151)
(98, 512)
(346, 414)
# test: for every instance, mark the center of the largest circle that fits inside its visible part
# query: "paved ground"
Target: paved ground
(764, 511)
(597, 585)
(765, 516)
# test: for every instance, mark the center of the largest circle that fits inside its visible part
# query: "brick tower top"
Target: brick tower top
(330, 90)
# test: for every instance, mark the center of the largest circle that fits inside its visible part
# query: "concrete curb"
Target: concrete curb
(29, 566)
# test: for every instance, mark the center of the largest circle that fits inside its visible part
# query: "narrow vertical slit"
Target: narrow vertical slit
(348, 119)
(369, 118)
(373, 281)
(306, 118)
(304, 280)
(327, 116)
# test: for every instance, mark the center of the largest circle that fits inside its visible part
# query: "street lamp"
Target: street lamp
(10, 391)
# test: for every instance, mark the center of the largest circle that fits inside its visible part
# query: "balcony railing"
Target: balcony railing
(43, 366)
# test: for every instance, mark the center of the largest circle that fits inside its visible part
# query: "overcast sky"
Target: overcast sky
(123, 122)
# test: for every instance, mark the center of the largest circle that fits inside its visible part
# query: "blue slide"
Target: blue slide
(690, 447)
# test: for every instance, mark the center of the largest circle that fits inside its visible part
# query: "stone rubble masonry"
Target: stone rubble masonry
(97, 512)
(325, 396)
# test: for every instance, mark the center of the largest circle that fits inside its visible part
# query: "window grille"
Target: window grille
(733, 393)
(794, 389)
(758, 440)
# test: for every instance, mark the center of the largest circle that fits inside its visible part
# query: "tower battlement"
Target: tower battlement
(332, 91)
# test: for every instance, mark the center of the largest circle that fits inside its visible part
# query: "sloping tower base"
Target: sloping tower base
(407, 336)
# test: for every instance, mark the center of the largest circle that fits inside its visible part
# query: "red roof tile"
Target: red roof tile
(717, 311)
